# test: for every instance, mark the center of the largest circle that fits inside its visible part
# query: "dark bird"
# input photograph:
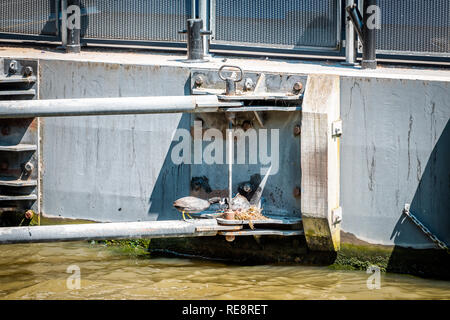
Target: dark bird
(193, 205)
(248, 188)
(198, 183)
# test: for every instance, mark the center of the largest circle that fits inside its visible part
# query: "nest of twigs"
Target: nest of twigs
(252, 213)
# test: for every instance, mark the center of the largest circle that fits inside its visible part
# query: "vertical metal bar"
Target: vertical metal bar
(194, 40)
(350, 38)
(193, 9)
(73, 34)
(230, 161)
(64, 23)
(212, 19)
(369, 38)
(203, 14)
(57, 17)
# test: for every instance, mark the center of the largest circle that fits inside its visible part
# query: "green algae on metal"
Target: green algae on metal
(132, 247)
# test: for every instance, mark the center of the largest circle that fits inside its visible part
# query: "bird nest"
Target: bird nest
(252, 213)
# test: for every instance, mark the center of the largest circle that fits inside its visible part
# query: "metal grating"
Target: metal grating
(32, 17)
(414, 26)
(148, 20)
(293, 23)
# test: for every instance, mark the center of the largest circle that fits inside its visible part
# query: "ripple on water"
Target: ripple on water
(38, 271)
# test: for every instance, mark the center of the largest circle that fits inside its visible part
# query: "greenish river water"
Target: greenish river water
(39, 271)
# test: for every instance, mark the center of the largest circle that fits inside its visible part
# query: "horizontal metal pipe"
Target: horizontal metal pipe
(107, 106)
(105, 231)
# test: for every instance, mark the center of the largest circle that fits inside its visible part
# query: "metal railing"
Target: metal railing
(408, 28)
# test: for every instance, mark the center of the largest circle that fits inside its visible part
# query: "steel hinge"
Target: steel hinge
(336, 215)
(336, 128)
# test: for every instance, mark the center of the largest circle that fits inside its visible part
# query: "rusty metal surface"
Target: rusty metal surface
(281, 220)
(218, 228)
(17, 183)
(262, 232)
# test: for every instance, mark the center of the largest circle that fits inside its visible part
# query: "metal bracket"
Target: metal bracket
(336, 128)
(19, 139)
(251, 86)
(336, 215)
(195, 32)
(256, 91)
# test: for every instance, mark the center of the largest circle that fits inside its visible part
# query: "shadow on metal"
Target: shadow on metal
(431, 206)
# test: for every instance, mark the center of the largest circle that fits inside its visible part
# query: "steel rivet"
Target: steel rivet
(248, 84)
(198, 81)
(297, 130)
(29, 214)
(4, 165)
(298, 86)
(6, 130)
(297, 192)
(28, 167)
(13, 67)
(28, 71)
(230, 238)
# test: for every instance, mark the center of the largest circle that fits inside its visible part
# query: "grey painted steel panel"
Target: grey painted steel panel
(111, 168)
(394, 151)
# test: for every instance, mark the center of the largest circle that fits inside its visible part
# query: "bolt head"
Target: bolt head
(28, 71)
(29, 214)
(28, 167)
(13, 67)
(248, 84)
(4, 165)
(297, 130)
(298, 86)
(297, 192)
(6, 130)
(198, 81)
(230, 238)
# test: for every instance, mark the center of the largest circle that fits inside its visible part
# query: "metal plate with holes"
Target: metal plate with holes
(30, 17)
(150, 20)
(19, 138)
(262, 232)
(294, 24)
(274, 85)
(281, 220)
(414, 27)
(217, 228)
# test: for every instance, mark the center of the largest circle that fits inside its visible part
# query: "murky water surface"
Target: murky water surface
(39, 271)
